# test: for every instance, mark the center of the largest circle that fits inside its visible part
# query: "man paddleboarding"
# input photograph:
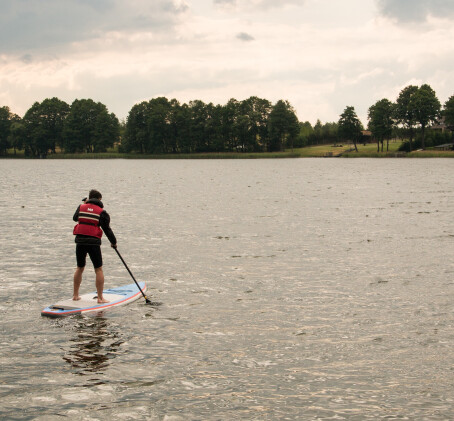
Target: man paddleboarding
(92, 220)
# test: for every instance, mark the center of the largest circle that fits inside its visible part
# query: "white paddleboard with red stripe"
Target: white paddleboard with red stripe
(89, 303)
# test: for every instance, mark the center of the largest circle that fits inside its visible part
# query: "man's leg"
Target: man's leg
(81, 256)
(100, 285)
(77, 282)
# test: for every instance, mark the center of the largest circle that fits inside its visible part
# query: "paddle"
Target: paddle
(132, 276)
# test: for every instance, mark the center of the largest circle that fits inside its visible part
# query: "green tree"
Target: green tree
(107, 131)
(229, 119)
(17, 134)
(448, 113)
(159, 114)
(317, 136)
(198, 118)
(403, 111)
(283, 126)
(5, 129)
(89, 127)
(35, 142)
(258, 112)
(137, 134)
(243, 127)
(323, 133)
(330, 131)
(54, 113)
(180, 120)
(43, 126)
(380, 118)
(426, 108)
(213, 129)
(306, 133)
(350, 126)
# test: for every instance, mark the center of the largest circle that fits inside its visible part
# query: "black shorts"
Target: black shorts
(94, 251)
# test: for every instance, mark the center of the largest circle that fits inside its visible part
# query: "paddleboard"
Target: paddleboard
(88, 303)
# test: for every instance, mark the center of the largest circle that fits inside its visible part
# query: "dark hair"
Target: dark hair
(94, 194)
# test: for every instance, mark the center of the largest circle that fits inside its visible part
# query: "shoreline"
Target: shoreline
(322, 151)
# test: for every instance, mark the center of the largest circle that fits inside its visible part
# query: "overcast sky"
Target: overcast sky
(320, 55)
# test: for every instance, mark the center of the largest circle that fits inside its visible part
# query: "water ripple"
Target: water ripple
(289, 289)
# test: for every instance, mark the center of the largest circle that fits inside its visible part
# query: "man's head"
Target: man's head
(94, 194)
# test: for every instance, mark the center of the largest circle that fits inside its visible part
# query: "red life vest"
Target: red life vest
(88, 221)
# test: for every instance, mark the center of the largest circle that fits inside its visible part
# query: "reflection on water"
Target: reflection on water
(94, 343)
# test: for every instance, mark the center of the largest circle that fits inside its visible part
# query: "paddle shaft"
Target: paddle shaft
(132, 276)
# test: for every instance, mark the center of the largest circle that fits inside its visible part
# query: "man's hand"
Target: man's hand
(114, 246)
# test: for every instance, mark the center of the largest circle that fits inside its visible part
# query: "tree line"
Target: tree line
(85, 126)
(158, 126)
(415, 109)
(162, 126)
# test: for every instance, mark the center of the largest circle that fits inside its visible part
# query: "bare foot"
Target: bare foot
(102, 301)
(77, 298)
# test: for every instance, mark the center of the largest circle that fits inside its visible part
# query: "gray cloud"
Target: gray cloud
(243, 36)
(34, 24)
(225, 2)
(415, 10)
(257, 4)
(26, 58)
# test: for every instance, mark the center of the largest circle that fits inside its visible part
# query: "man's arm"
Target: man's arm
(104, 222)
(76, 214)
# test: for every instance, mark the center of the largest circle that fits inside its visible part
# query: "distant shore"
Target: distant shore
(322, 151)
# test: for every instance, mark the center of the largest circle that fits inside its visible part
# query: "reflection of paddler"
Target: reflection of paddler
(88, 351)
(92, 220)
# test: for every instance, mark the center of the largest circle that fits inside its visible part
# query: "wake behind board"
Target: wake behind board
(117, 297)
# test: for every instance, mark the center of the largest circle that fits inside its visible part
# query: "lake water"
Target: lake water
(298, 289)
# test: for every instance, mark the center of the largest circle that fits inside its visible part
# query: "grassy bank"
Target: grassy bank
(344, 151)
(213, 155)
